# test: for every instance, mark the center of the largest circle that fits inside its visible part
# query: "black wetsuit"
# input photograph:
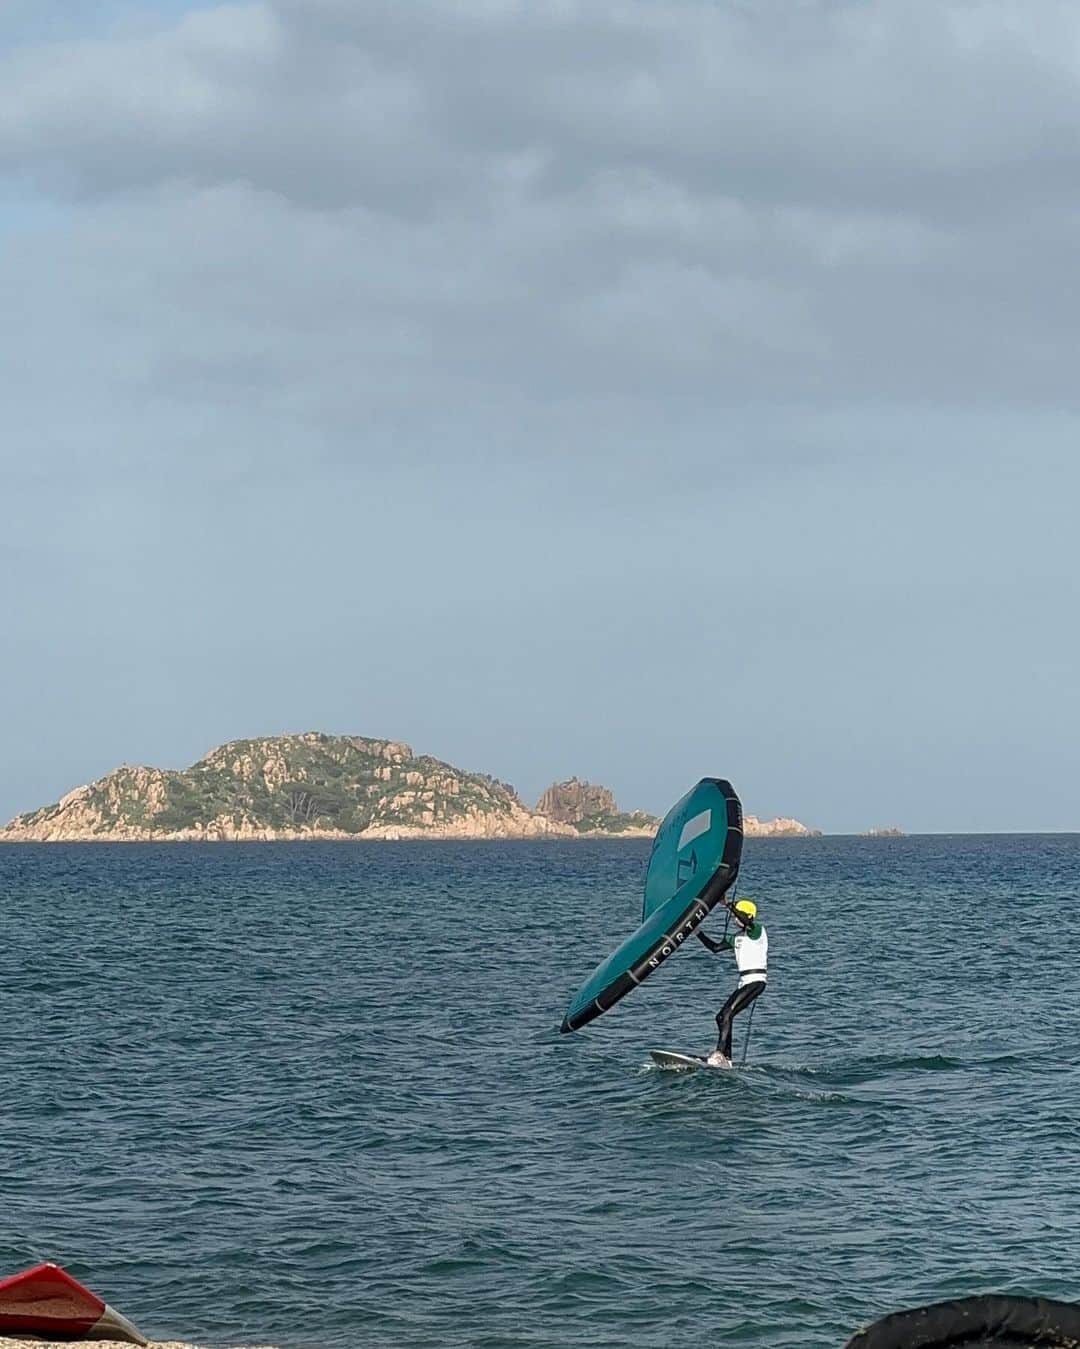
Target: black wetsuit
(742, 997)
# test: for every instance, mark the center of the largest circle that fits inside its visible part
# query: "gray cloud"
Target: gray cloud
(857, 104)
(356, 208)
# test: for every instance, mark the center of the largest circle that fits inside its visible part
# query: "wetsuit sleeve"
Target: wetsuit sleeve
(725, 944)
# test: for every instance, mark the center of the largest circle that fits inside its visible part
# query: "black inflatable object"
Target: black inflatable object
(986, 1322)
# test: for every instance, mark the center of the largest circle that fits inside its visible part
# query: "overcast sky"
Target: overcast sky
(636, 389)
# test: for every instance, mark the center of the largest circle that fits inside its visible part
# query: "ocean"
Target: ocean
(316, 1094)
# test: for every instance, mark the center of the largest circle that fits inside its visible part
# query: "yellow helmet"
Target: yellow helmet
(746, 908)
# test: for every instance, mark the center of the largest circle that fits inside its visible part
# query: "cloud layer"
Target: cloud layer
(524, 331)
(628, 201)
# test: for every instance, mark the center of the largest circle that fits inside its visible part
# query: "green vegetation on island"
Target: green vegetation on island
(291, 786)
(616, 822)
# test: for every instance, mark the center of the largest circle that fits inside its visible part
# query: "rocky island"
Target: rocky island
(589, 809)
(316, 786)
(592, 810)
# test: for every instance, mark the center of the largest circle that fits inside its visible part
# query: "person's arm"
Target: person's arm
(725, 944)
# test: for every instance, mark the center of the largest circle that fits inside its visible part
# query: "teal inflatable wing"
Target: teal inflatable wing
(694, 860)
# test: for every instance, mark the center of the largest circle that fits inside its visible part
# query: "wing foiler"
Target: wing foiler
(694, 860)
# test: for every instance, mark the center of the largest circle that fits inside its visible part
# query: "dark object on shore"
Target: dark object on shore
(986, 1322)
(47, 1301)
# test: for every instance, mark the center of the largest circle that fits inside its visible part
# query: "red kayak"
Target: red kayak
(46, 1301)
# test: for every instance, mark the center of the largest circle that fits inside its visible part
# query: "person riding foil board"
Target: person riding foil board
(751, 947)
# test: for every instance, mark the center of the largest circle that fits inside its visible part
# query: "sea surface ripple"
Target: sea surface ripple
(316, 1095)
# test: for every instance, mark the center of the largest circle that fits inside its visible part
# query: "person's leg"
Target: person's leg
(723, 1026)
(740, 999)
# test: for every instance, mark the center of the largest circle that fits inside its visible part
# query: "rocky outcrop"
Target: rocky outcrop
(571, 801)
(309, 786)
(589, 809)
(781, 827)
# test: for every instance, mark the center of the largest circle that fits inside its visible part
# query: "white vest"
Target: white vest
(751, 954)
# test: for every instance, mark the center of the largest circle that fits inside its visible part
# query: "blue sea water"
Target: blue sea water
(315, 1095)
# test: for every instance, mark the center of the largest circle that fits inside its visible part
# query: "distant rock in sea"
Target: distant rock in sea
(589, 809)
(781, 827)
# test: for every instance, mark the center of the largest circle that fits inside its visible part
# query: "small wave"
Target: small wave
(757, 1079)
(853, 1071)
(929, 1063)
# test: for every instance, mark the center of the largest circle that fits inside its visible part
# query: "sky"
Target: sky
(634, 389)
